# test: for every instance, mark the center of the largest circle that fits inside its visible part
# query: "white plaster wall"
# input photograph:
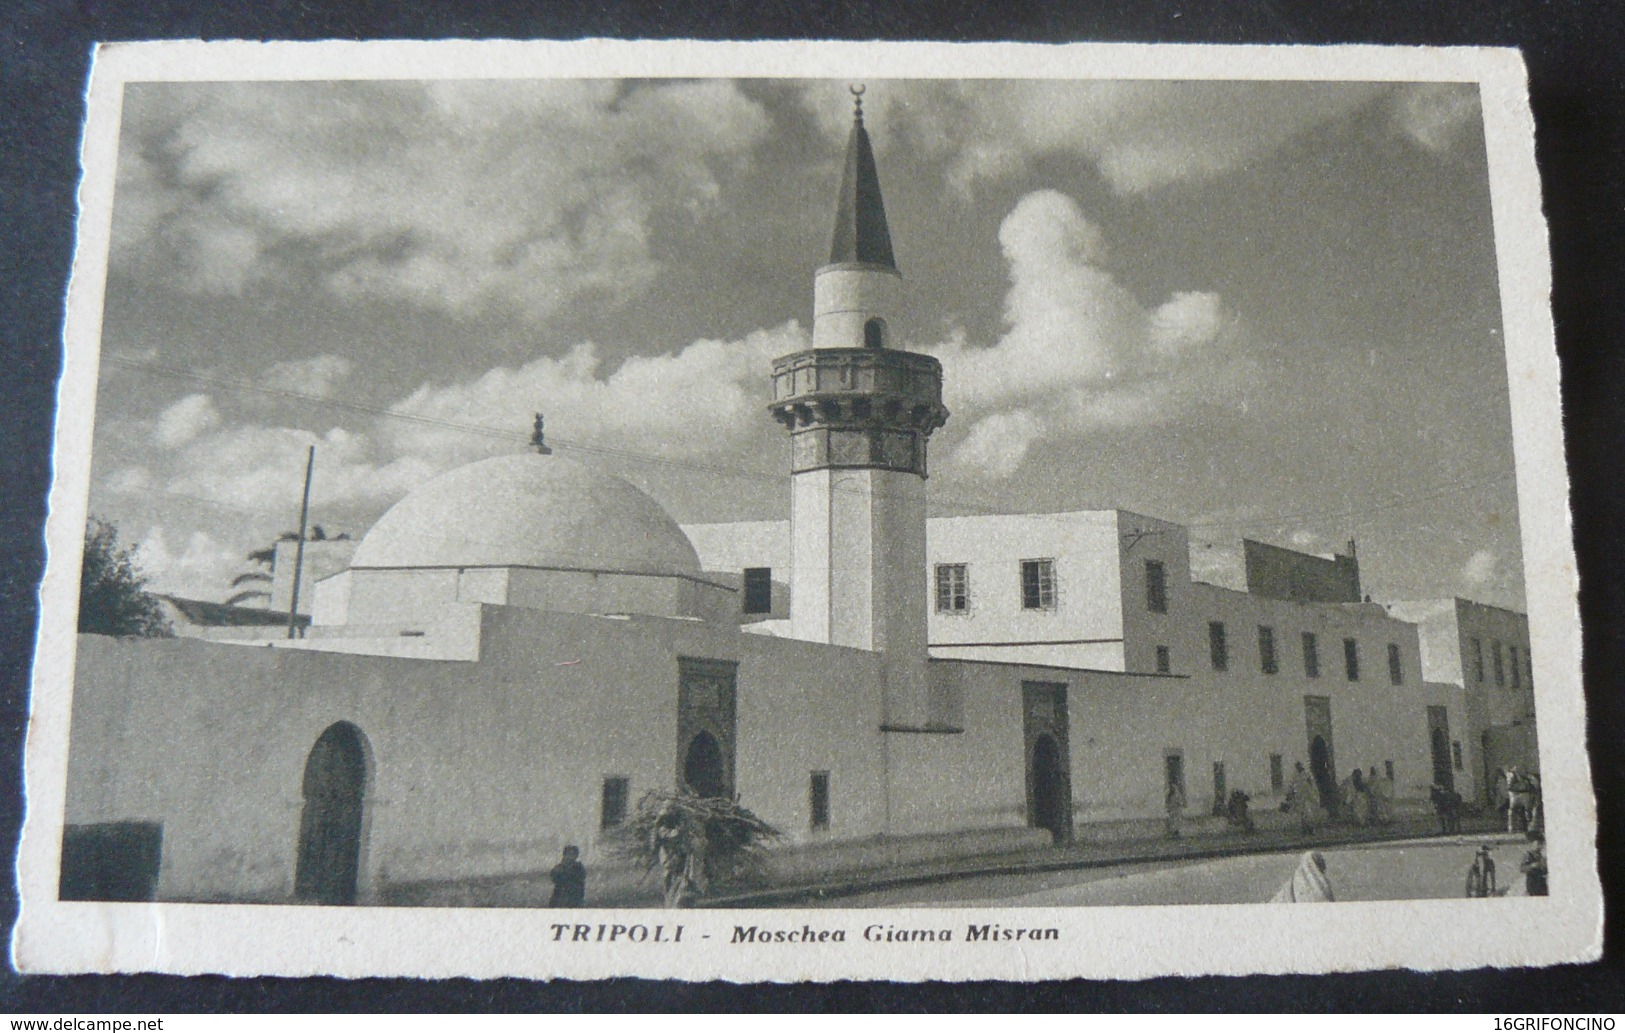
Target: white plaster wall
(1141, 538)
(477, 768)
(1372, 719)
(747, 543)
(847, 296)
(321, 559)
(1086, 626)
(1447, 628)
(726, 550)
(1121, 725)
(812, 522)
(394, 596)
(331, 602)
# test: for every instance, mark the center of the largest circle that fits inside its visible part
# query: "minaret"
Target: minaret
(859, 413)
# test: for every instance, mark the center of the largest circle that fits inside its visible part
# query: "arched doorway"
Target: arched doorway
(703, 769)
(330, 826)
(1443, 769)
(1049, 787)
(1320, 767)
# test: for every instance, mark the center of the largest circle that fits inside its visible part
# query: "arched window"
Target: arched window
(874, 333)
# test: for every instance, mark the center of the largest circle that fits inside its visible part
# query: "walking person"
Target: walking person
(1481, 874)
(1174, 804)
(1303, 799)
(569, 880)
(1356, 798)
(1382, 797)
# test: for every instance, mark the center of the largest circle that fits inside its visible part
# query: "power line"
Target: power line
(962, 501)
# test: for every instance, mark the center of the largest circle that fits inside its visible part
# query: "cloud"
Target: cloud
(1221, 564)
(1140, 135)
(185, 420)
(262, 468)
(200, 569)
(997, 444)
(1081, 352)
(1481, 567)
(319, 376)
(705, 399)
(474, 198)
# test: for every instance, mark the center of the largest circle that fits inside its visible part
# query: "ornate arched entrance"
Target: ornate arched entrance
(1443, 771)
(330, 826)
(1049, 787)
(1320, 767)
(703, 768)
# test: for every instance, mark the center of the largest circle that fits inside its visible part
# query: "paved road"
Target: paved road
(1412, 870)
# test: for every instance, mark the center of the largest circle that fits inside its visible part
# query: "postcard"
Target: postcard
(807, 511)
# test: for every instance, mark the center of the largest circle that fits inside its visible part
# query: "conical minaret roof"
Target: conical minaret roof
(860, 214)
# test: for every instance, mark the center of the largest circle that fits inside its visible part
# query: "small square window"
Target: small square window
(1218, 649)
(1351, 658)
(1311, 655)
(818, 799)
(612, 814)
(1038, 584)
(953, 588)
(1266, 650)
(1156, 586)
(1277, 773)
(1396, 665)
(758, 589)
(1165, 661)
(1388, 769)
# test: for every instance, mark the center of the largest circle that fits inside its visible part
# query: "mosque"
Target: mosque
(520, 648)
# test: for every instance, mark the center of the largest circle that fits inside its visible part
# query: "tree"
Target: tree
(113, 596)
(695, 842)
(266, 557)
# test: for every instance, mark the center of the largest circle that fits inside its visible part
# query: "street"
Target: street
(1410, 870)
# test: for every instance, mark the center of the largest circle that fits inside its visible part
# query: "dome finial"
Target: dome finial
(538, 439)
(857, 90)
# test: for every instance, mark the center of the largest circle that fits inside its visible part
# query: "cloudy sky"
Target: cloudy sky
(1266, 310)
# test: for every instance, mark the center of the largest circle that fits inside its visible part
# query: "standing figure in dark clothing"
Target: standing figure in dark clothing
(1235, 809)
(1447, 805)
(569, 880)
(1534, 870)
(1481, 874)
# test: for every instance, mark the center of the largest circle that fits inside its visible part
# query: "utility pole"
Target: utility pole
(299, 549)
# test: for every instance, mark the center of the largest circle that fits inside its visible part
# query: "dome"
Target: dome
(528, 510)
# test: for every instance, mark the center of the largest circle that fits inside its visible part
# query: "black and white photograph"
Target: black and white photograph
(919, 513)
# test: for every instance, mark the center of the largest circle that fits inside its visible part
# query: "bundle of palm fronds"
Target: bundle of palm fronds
(694, 842)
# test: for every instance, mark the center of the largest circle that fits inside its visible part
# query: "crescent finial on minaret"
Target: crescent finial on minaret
(857, 90)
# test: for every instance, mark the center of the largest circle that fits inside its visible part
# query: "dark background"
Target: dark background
(1573, 49)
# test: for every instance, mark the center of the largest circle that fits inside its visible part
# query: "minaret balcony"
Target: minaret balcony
(858, 408)
(864, 386)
